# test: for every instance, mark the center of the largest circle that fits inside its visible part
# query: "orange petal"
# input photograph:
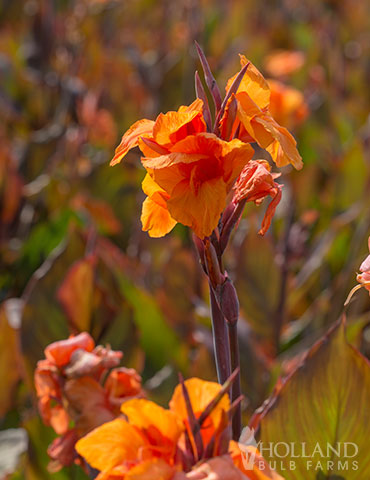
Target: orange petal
(55, 416)
(254, 84)
(236, 155)
(46, 381)
(131, 138)
(255, 182)
(283, 150)
(165, 161)
(171, 127)
(218, 468)
(153, 190)
(122, 382)
(201, 393)
(154, 469)
(196, 106)
(145, 414)
(270, 212)
(199, 210)
(247, 113)
(169, 178)
(206, 144)
(111, 445)
(156, 219)
(60, 352)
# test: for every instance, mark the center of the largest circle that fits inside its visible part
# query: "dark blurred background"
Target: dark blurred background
(74, 75)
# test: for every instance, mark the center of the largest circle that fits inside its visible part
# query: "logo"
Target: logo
(284, 456)
(248, 448)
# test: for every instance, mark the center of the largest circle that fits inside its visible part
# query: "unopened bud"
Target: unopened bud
(212, 264)
(229, 302)
(200, 249)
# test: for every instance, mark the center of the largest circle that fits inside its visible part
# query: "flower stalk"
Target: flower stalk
(224, 314)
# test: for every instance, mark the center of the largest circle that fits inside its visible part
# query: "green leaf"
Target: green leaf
(324, 405)
(159, 342)
(46, 236)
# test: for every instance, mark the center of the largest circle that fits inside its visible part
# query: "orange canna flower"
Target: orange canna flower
(74, 393)
(154, 443)
(201, 393)
(191, 164)
(59, 353)
(363, 277)
(255, 183)
(117, 448)
(256, 122)
(287, 105)
(189, 171)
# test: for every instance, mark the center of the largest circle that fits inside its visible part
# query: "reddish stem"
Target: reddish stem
(220, 340)
(236, 387)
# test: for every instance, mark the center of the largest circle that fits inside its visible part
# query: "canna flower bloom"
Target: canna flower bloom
(151, 442)
(74, 393)
(254, 184)
(191, 166)
(189, 171)
(363, 277)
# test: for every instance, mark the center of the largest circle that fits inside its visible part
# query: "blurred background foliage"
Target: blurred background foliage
(74, 74)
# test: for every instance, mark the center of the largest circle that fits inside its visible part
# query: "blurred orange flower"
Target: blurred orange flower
(287, 104)
(74, 393)
(284, 62)
(254, 184)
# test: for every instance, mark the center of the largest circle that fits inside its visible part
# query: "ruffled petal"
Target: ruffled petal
(172, 127)
(111, 445)
(254, 84)
(201, 393)
(156, 219)
(60, 352)
(142, 128)
(200, 209)
(147, 416)
(236, 155)
(284, 148)
(155, 469)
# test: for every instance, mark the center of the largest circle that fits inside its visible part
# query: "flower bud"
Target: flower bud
(229, 302)
(200, 249)
(212, 263)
